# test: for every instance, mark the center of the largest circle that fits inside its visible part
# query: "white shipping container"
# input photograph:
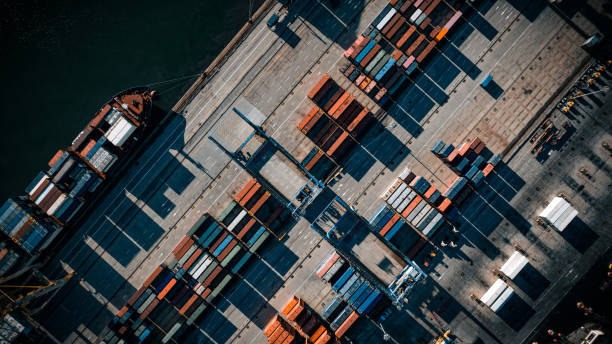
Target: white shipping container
(58, 203)
(45, 177)
(125, 135)
(386, 19)
(397, 193)
(415, 15)
(238, 218)
(44, 194)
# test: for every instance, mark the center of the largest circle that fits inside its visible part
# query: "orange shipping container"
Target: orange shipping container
(308, 117)
(249, 194)
(314, 160)
(289, 338)
(318, 86)
(346, 324)
(411, 206)
(153, 276)
(296, 311)
(441, 34)
(339, 103)
(312, 121)
(260, 202)
(317, 333)
(56, 157)
(188, 304)
(88, 148)
(245, 189)
(294, 301)
(167, 288)
(272, 326)
(338, 142)
(443, 207)
(430, 191)
(392, 221)
(487, 169)
(324, 338)
(328, 264)
(277, 333)
(122, 311)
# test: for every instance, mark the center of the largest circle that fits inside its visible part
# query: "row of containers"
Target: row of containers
(471, 161)
(335, 125)
(55, 196)
(400, 39)
(413, 212)
(298, 323)
(201, 266)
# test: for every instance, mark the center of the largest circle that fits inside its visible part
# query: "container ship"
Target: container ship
(75, 174)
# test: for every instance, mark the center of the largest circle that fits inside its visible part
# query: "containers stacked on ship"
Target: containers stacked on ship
(76, 173)
(335, 125)
(62, 190)
(470, 160)
(27, 227)
(114, 130)
(355, 294)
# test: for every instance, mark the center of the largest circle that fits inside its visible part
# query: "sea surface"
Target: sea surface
(61, 60)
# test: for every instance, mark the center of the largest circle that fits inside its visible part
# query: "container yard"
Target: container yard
(358, 173)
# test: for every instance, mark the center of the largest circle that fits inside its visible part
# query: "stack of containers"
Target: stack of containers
(255, 209)
(336, 123)
(279, 331)
(179, 291)
(62, 190)
(412, 30)
(470, 160)
(414, 199)
(353, 290)
(26, 226)
(306, 321)
(433, 17)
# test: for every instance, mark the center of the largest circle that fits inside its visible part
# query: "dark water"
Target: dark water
(61, 60)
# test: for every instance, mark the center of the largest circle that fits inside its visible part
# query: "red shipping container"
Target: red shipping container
(149, 309)
(246, 228)
(322, 270)
(182, 247)
(192, 259)
(479, 148)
